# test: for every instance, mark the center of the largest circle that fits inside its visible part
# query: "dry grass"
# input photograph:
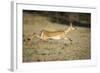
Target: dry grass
(53, 50)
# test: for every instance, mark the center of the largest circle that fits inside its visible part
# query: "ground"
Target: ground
(53, 50)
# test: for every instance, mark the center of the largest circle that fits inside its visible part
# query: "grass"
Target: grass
(53, 50)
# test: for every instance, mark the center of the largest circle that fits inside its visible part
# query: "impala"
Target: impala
(56, 35)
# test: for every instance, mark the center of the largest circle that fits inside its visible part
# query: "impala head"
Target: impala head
(70, 28)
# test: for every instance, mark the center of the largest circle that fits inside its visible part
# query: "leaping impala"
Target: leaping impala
(56, 35)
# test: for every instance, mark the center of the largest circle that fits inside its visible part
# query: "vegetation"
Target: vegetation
(36, 49)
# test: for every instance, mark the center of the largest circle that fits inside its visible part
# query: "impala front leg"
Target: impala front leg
(70, 40)
(66, 38)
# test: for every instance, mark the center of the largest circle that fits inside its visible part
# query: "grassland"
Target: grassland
(53, 50)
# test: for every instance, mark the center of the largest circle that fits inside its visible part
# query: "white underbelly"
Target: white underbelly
(55, 37)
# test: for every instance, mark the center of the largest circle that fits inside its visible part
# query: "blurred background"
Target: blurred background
(78, 19)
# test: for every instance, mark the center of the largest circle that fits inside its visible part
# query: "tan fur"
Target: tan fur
(61, 34)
